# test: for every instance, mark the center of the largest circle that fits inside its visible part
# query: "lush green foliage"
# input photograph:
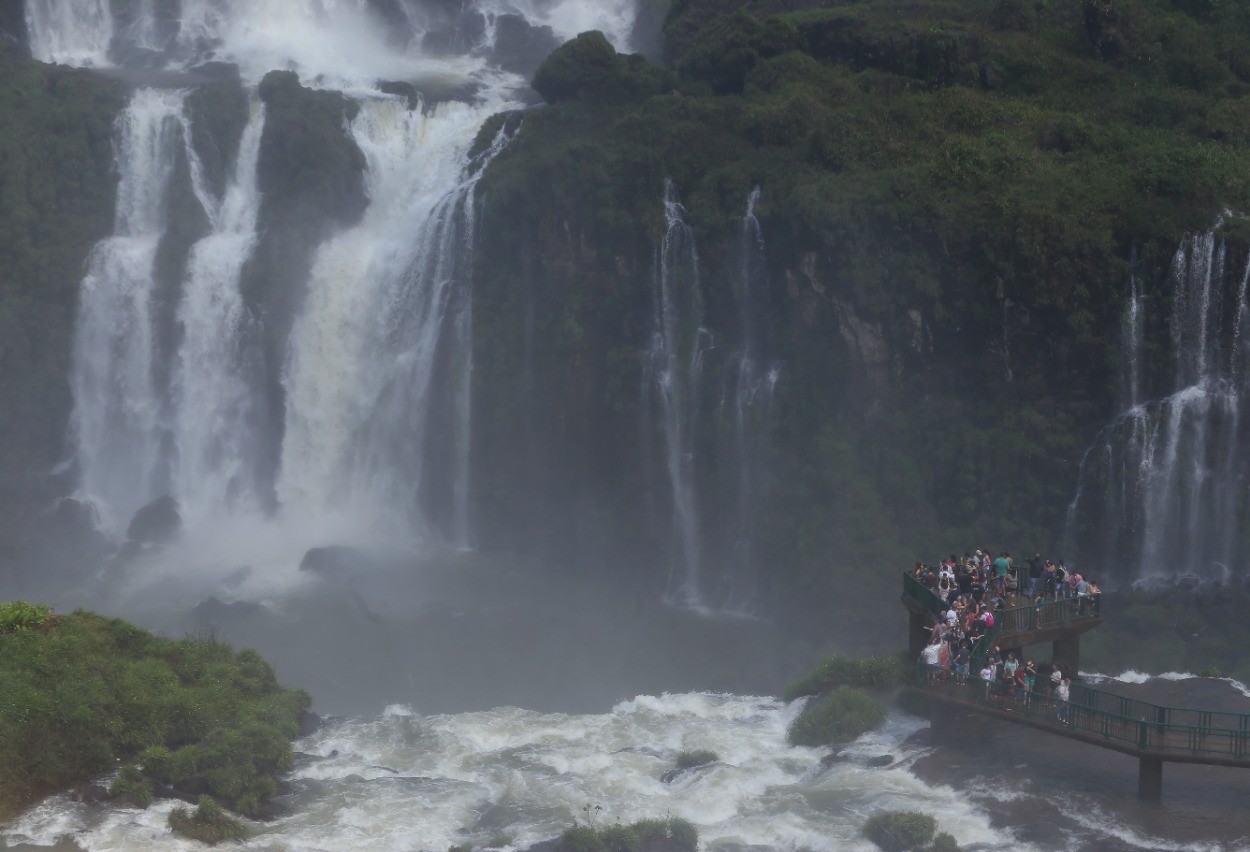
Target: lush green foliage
(951, 192)
(900, 831)
(1161, 632)
(837, 671)
(89, 691)
(20, 615)
(651, 835)
(56, 200)
(208, 823)
(698, 757)
(839, 717)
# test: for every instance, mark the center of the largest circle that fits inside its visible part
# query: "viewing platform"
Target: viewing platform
(1059, 622)
(1153, 733)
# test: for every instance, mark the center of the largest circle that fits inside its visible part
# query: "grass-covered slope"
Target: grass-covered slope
(81, 692)
(952, 193)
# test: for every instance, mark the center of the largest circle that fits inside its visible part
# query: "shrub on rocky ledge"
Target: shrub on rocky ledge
(838, 718)
(190, 717)
(208, 823)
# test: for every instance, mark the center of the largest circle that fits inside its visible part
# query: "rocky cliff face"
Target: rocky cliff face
(948, 228)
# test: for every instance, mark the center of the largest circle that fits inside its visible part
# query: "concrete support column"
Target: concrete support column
(1067, 652)
(1150, 779)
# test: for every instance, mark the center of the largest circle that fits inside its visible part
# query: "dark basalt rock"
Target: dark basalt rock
(405, 90)
(521, 47)
(334, 562)
(156, 523)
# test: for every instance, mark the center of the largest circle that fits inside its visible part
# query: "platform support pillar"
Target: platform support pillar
(1150, 779)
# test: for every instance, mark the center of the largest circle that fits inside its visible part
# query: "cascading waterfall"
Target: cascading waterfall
(72, 32)
(1173, 471)
(673, 368)
(711, 441)
(119, 413)
(219, 364)
(747, 398)
(377, 368)
(364, 353)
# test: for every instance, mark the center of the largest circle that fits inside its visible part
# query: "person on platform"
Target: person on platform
(1061, 699)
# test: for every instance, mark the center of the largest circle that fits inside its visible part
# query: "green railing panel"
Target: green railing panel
(1019, 619)
(1150, 727)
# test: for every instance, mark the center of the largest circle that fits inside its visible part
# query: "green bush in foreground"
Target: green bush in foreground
(20, 615)
(648, 835)
(835, 671)
(838, 718)
(698, 757)
(208, 823)
(84, 692)
(900, 831)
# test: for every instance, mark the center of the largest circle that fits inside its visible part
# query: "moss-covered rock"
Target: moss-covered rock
(838, 718)
(184, 717)
(208, 823)
(588, 67)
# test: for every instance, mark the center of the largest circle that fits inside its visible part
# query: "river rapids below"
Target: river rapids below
(482, 704)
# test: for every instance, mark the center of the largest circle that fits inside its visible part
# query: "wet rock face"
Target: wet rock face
(157, 522)
(13, 21)
(521, 47)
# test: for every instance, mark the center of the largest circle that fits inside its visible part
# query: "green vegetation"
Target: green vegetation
(56, 200)
(648, 835)
(20, 615)
(208, 823)
(86, 691)
(907, 831)
(838, 718)
(835, 671)
(951, 193)
(698, 757)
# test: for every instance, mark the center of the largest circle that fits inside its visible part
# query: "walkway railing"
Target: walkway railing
(1175, 731)
(1020, 619)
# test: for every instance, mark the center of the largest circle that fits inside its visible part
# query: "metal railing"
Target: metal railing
(1019, 619)
(1138, 724)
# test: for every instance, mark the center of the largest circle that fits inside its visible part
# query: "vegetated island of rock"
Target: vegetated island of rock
(191, 718)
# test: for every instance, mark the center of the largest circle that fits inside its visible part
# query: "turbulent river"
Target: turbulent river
(469, 700)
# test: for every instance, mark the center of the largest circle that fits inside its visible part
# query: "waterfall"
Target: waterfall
(747, 398)
(1173, 471)
(373, 438)
(72, 32)
(672, 373)
(119, 427)
(707, 405)
(218, 371)
(382, 296)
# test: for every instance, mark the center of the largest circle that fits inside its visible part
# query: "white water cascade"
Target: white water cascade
(1162, 492)
(218, 372)
(673, 369)
(119, 419)
(387, 318)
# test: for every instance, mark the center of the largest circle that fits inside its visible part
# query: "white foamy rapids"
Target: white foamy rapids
(407, 781)
(1134, 676)
(362, 353)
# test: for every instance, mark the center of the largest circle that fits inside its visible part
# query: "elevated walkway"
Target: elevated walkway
(1060, 622)
(1153, 733)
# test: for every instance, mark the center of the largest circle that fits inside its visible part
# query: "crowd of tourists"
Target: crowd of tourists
(976, 591)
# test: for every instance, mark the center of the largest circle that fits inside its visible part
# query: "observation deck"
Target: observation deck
(1153, 733)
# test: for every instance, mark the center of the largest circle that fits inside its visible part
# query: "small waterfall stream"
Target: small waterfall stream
(1161, 495)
